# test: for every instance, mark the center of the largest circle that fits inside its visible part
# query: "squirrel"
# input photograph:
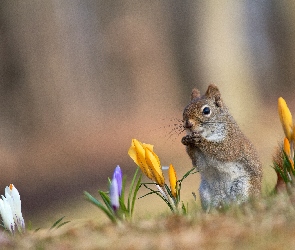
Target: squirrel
(227, 161)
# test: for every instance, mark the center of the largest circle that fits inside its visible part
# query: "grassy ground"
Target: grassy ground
(268, 223)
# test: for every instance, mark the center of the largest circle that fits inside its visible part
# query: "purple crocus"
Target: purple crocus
(116, 188)
(118, 176)
(114, 194)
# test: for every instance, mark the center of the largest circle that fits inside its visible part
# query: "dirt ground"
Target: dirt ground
(268, 223)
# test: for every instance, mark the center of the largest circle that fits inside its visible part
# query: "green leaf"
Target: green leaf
(57, 222)
(94, 201)
(188, 173)
(62, 224)
(131, 190)
(286, 162)
(183, 208)
(106, 199)
(137, 187)
(152, 192)
(159, 194)
(122, 197)
(122, 205)
(168, 190)
(282, 173)
(178, 193)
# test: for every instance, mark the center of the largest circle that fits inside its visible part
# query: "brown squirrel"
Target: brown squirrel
(227, 161)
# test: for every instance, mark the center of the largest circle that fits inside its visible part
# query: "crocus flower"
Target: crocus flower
(116, 188)
(287, 146)
(137, 153)
(286, 118)
(154, 165)
(13, 197)
(173, 180)
(114, 194)
(144, 156)
(6, 214)
(118, 176)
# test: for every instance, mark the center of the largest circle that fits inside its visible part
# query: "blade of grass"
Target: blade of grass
(137, 187)
(56, 223)
(168, 190)
(188, 173)
(94, 201)
(148, 194)
(281, 172)
(62, 224)
(131, 189)
(106, 199)
(183, 208)
(122, 197)
(122, 205)
(158, 193)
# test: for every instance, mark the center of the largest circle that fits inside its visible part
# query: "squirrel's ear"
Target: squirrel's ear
(195, 94)
(213, 92)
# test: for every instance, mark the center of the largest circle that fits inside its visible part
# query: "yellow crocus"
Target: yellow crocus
(173, 180)
(287, 148)
(154, 165)
(137, 153)
(286, 118)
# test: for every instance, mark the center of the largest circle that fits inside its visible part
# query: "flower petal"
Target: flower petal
(118, 176)
(287, 148)
(13, 197)
(173, 180)
(6, 214)
(132, 152)
(137, 153)
(149, 146)
(286, 118)
(154, 164)
(114, 194)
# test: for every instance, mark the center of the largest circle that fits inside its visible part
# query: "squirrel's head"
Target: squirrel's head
(204, 114)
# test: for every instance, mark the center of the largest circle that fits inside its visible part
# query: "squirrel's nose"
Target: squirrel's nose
(188, 124)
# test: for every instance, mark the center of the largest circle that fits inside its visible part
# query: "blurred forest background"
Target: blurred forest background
(80, 79)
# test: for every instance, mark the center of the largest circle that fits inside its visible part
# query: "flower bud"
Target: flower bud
(286, 118)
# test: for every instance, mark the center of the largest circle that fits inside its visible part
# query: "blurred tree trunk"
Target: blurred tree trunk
(281, 30)
(17, 114)
(222, 52)
(183, 34)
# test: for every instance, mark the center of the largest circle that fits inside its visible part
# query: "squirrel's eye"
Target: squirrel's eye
(206, 111)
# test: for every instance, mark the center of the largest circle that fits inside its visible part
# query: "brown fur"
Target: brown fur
(218, 137)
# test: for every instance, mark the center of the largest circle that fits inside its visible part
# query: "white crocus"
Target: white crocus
(13, 197)
(6, 214)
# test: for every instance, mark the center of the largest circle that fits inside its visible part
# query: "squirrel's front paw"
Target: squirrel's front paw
(190, 139)
(186, 140)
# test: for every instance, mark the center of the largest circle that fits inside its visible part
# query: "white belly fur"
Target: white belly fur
(222, 182)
